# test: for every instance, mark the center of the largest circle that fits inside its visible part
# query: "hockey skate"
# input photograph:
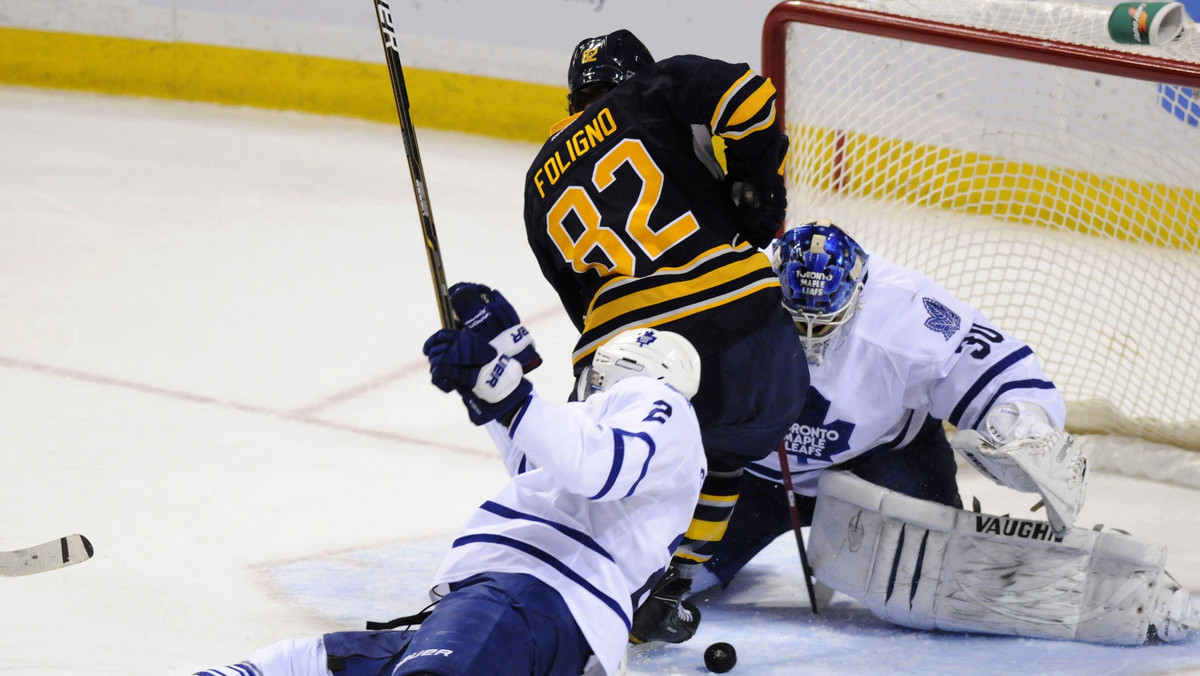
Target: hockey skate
(665, 616)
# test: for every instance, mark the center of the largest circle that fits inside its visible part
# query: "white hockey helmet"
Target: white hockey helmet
(651, 353)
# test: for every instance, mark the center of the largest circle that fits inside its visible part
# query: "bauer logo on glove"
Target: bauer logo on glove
(461, 360)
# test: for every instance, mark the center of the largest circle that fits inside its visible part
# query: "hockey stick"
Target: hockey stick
(796, 526)
(60, 553)
(391, 54)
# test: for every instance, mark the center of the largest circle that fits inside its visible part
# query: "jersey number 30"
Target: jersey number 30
(620, 258)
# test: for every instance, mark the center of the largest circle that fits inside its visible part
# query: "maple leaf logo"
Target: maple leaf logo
(811, 437)
(942, 319)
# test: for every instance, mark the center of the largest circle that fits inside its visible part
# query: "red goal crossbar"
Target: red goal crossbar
(981, 40)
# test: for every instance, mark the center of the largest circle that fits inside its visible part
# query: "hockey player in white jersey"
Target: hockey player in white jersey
(891, 356)
(544, 577)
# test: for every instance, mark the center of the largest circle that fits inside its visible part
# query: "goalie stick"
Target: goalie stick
(60, 553)
(796, 527)
(391, 52)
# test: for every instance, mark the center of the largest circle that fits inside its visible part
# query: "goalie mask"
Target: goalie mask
(607, 59)
(821, 270)
(661, 355)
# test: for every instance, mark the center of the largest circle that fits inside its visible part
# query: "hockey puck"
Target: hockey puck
(720, 657)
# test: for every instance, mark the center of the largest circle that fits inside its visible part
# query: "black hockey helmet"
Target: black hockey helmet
(610, 59)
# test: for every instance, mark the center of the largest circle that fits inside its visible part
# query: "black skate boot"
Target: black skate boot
(665, 616)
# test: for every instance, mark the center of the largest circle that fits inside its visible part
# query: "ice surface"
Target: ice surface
(210, 333)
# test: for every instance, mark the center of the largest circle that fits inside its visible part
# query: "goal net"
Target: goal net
(1017, 154)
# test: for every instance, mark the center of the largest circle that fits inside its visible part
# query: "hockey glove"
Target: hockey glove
(485, 312)
(489, 383)
(758, 195)
(1020, 449)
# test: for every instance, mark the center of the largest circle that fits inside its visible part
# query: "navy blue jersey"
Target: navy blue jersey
(627, 217)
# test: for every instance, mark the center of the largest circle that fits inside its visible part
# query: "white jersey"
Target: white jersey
(911, 351)
(602, 492)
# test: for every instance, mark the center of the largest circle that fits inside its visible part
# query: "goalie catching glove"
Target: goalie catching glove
(485, 312)
(490, 383)
(1019, 449)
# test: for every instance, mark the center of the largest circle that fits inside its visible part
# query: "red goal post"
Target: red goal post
(1037, 169)
(967, 38)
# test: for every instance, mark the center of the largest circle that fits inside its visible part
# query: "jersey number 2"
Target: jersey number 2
(620, 258)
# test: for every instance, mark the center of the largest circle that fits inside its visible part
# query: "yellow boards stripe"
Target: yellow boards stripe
(975, 183)
(311, 84)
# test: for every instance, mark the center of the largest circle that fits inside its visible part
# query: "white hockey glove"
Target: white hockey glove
(1020, 449)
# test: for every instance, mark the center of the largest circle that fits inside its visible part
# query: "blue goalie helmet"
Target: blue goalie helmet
(607, 59)
(821, 270)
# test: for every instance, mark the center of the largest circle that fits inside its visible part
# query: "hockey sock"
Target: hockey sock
(718, 495)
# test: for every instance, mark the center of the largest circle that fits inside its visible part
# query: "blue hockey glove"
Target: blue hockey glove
(485, 311)
(490, 383)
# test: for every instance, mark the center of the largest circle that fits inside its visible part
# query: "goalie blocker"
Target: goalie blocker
(927, 566)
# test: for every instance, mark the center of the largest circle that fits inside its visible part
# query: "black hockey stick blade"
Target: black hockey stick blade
(60, 553)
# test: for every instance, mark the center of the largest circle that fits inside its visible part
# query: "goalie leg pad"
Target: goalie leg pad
(927, 566)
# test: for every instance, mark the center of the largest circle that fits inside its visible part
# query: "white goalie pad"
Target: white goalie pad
(928, 566)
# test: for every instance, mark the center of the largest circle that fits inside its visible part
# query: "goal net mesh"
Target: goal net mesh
(1063, 202)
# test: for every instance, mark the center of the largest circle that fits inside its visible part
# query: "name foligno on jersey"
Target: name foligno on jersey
(575, 146)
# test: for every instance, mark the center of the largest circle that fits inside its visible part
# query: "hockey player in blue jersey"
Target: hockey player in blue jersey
(892, 356)
(544, 577)
(635, 223)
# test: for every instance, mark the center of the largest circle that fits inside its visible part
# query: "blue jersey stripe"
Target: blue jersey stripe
(619, 436)
(576, 535)
(895, 442)
(512, 426)
(1016, 384)
(549, 560)
(615, 470)
(984, 381)
(645, 465)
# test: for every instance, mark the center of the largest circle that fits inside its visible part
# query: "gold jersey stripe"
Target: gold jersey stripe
(564, 123)
(726, 98)
(753, 105)
(666, 317)
(703, 258)
(770, 120)
(682, 553)
(717, 500)
(655, 295)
